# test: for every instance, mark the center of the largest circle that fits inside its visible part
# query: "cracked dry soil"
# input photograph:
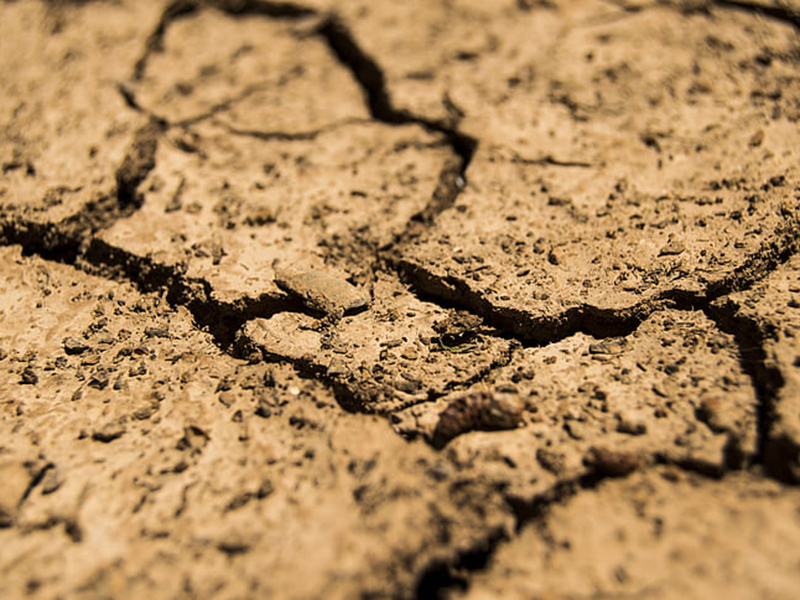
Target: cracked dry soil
(426, 299)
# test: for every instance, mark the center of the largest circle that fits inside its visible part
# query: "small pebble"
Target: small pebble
(336, 367)
(609, 346)
(409, 353)
(478, 411)
(612, 463)
(672, 248)
(156, 332)
(74, 346)
(52, 480)
(320, 291)
(29, 377)
(554, 462)
(99, 380)
(630, 424)
(109, 432)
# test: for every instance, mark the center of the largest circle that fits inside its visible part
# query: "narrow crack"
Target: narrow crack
(550, 160)
(129, 97)
(365, 71)
(176, 10)
(372, 80)
(131, 101)
(311, 134)
(220, 106)
(63, 241)
(442, 579)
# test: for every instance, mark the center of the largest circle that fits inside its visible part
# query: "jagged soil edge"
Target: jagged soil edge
(775, 11)
(359, 395)
(444, 577)
(220, 319)
(63, 241)
(534, 329)
(774, 453)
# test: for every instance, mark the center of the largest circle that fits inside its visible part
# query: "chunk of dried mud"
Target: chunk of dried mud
(320, 291)
(478, 411)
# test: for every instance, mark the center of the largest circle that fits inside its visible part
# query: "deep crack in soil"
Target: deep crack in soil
(475, 533)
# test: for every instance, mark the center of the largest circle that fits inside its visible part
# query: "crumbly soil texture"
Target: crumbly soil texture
(425, 299)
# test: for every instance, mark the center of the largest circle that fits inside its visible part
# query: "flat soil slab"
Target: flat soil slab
(125, 429)
(610, 197)
(399, 352)
(672, 391)
(64, 128)
(425, 299)
(225, 211)
(662, 534)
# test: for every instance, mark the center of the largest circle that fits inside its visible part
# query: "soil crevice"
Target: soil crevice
(597, 322)
(776, 10)
(751, 337)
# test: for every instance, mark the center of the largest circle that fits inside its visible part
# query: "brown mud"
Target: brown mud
(441, 299)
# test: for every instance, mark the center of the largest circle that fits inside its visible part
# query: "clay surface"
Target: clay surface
(441, 299)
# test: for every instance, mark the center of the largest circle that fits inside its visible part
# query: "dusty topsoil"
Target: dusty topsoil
(421, 299)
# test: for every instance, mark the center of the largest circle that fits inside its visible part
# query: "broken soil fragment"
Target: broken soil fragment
(320, 291)
(458, 329)
(74, 346)
(612, 463)
(478, 411)
(109, 432)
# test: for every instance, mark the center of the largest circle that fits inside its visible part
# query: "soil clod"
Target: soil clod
(320, 291)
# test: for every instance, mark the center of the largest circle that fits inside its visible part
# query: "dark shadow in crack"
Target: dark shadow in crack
(372, 81)
(597, 322)
(62, 241)
(776, 10)
(440, 580)
(174, 11)
(751, 338)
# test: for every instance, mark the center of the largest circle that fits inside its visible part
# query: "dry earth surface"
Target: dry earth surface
(425, 299)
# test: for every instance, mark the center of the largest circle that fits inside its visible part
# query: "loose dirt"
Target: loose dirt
(432, 299)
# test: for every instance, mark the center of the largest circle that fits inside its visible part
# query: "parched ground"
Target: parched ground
(425, 299)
